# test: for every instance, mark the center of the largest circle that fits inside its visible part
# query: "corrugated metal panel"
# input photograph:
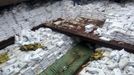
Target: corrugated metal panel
(70, 62)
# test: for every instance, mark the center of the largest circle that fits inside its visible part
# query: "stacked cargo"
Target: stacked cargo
(114, 62)
(32, 62)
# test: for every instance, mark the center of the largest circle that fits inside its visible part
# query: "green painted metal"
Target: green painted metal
(70, 62)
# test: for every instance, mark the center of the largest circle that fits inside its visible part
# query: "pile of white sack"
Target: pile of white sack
(114, 63)
(34, 62)
(119, 24)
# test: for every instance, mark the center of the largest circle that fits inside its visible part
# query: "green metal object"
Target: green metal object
(70, 62)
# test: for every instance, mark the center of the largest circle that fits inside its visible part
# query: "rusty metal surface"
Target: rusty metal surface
(79, 32)
(9, 2)
(7, 42)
